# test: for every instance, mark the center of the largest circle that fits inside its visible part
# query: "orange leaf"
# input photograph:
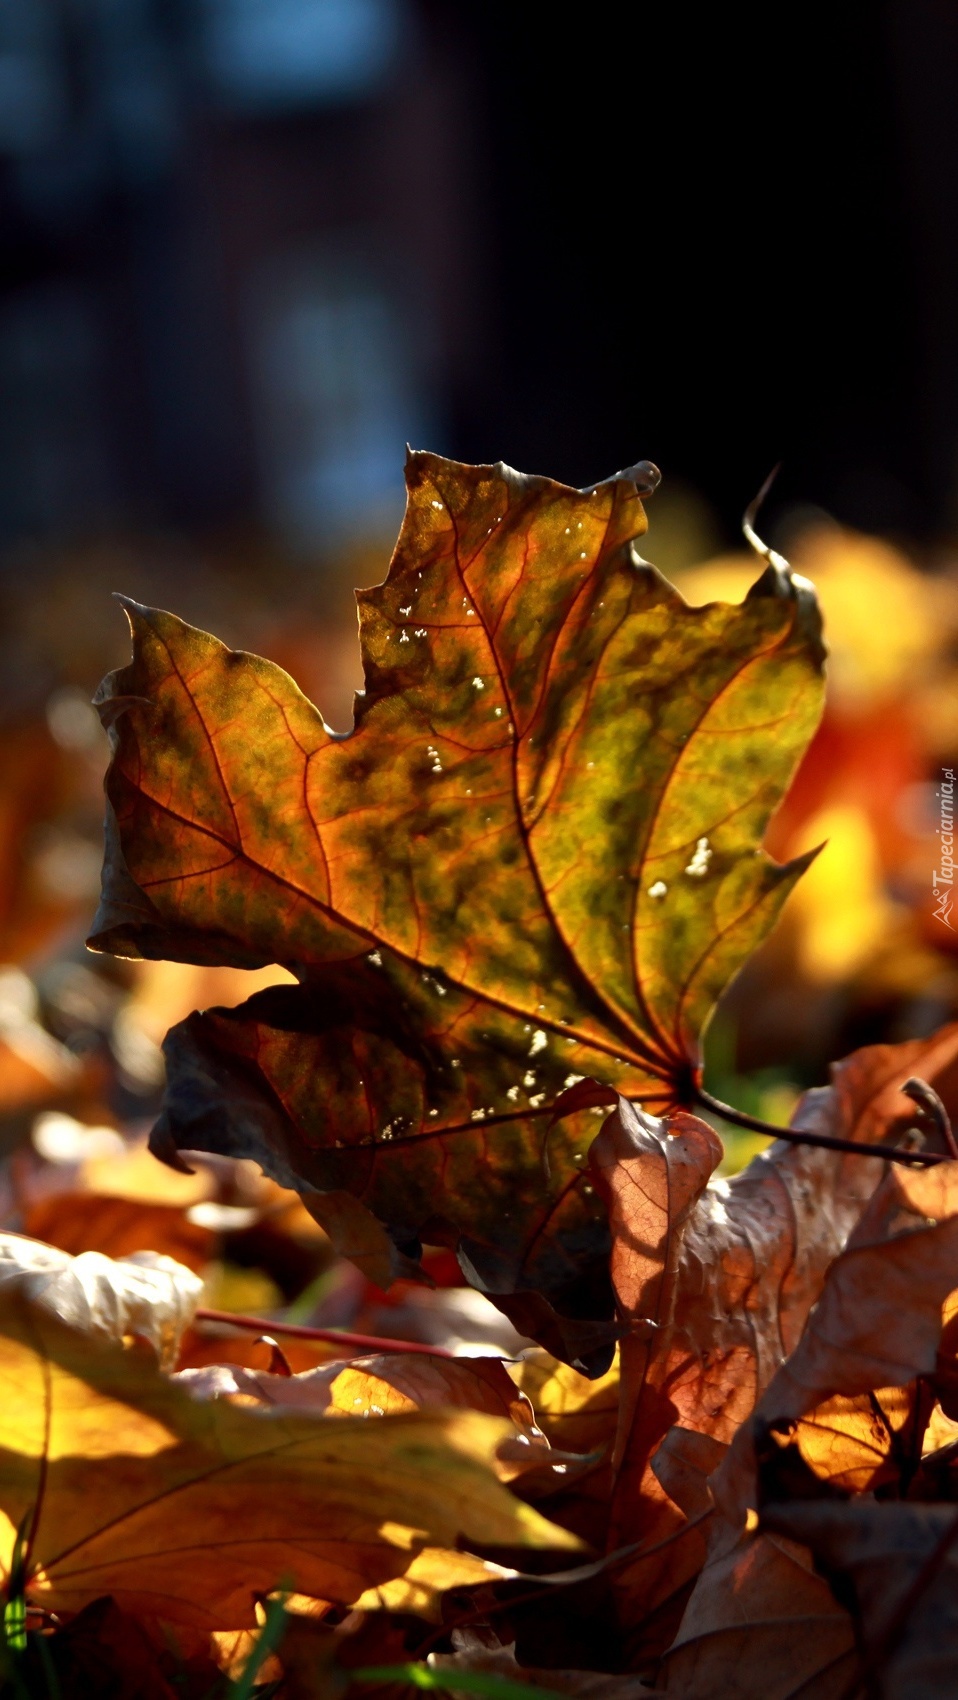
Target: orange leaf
(536, 857)
(78, 1222)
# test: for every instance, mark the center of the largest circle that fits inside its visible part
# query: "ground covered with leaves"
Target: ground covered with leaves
(541, 1401)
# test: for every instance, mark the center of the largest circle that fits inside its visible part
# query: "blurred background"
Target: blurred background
(249, 248)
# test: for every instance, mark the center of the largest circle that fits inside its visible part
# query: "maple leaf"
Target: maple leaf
(187, 1510)
(537, 856)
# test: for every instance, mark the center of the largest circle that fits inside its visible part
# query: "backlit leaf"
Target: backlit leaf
(188, 1509)
(536, 857)
(147, 1294)
(857, 1444)
(577, 1415)
(728, 1273)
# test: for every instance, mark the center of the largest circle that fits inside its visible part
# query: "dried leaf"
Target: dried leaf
(575, 1413)
(761, 1625)
(105, 1653)
(501, 1662)
(876, 1326)
(729, 1287)
(381, 1386)
(461, 959)
(189, 1509)
(854, 1445)
(419, 1591)
(146, 1294)
(880, 1552)
(878, 1321)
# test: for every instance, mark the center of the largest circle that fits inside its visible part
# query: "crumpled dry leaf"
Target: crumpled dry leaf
(880, 1552)
(146, 1294)
(460, 960)
(379, 1385)
(189, 1509)
(876, 1326)
(501, 1662)
(729, 1286)
(761, 1625)
(878, 1321)
(652, 1174)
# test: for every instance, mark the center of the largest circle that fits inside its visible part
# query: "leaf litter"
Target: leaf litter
(729, 1463)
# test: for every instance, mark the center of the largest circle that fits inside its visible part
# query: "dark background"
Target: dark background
(250, 246)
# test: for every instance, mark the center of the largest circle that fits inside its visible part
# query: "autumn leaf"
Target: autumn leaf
(187, 1509)
(878, 1322)
(575, 1413)
(384, 1386)
(147, 1294)
(537, 856)
(117, 1227)
(727, 1272)
(501, 1662)
(875, 1327)
(853, 1444)
(764, 1624)
(898, 1564)
(103, 1652)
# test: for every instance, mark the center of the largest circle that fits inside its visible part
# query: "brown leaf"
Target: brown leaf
(761, 1625)
(876, 1326)
(78, 1222)
(461, 960)
(878, 1321)
(748, 1261)
(381, 1386)
(106, 1653)
(899, 1563)
(581, 1684)
(189, 1510)
(856, 1445)
(575, 1413)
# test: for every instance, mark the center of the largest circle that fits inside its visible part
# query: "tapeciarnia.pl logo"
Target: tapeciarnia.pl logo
(943, 879)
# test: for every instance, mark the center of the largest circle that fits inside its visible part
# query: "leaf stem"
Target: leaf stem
(336, 1336)
(928, 1100)
(855, 1148)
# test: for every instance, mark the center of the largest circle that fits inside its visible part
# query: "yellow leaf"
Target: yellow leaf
(189, 1510)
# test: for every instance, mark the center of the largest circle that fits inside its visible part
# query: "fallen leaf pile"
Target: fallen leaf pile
(720, 1456)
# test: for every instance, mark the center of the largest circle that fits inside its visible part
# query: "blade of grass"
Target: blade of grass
(464, 1682)
(269, 1638)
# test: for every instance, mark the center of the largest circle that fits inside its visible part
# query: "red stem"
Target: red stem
(336, 1336)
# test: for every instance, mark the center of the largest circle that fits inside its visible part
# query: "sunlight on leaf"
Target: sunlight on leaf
(533, 688)
(137, 1490)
